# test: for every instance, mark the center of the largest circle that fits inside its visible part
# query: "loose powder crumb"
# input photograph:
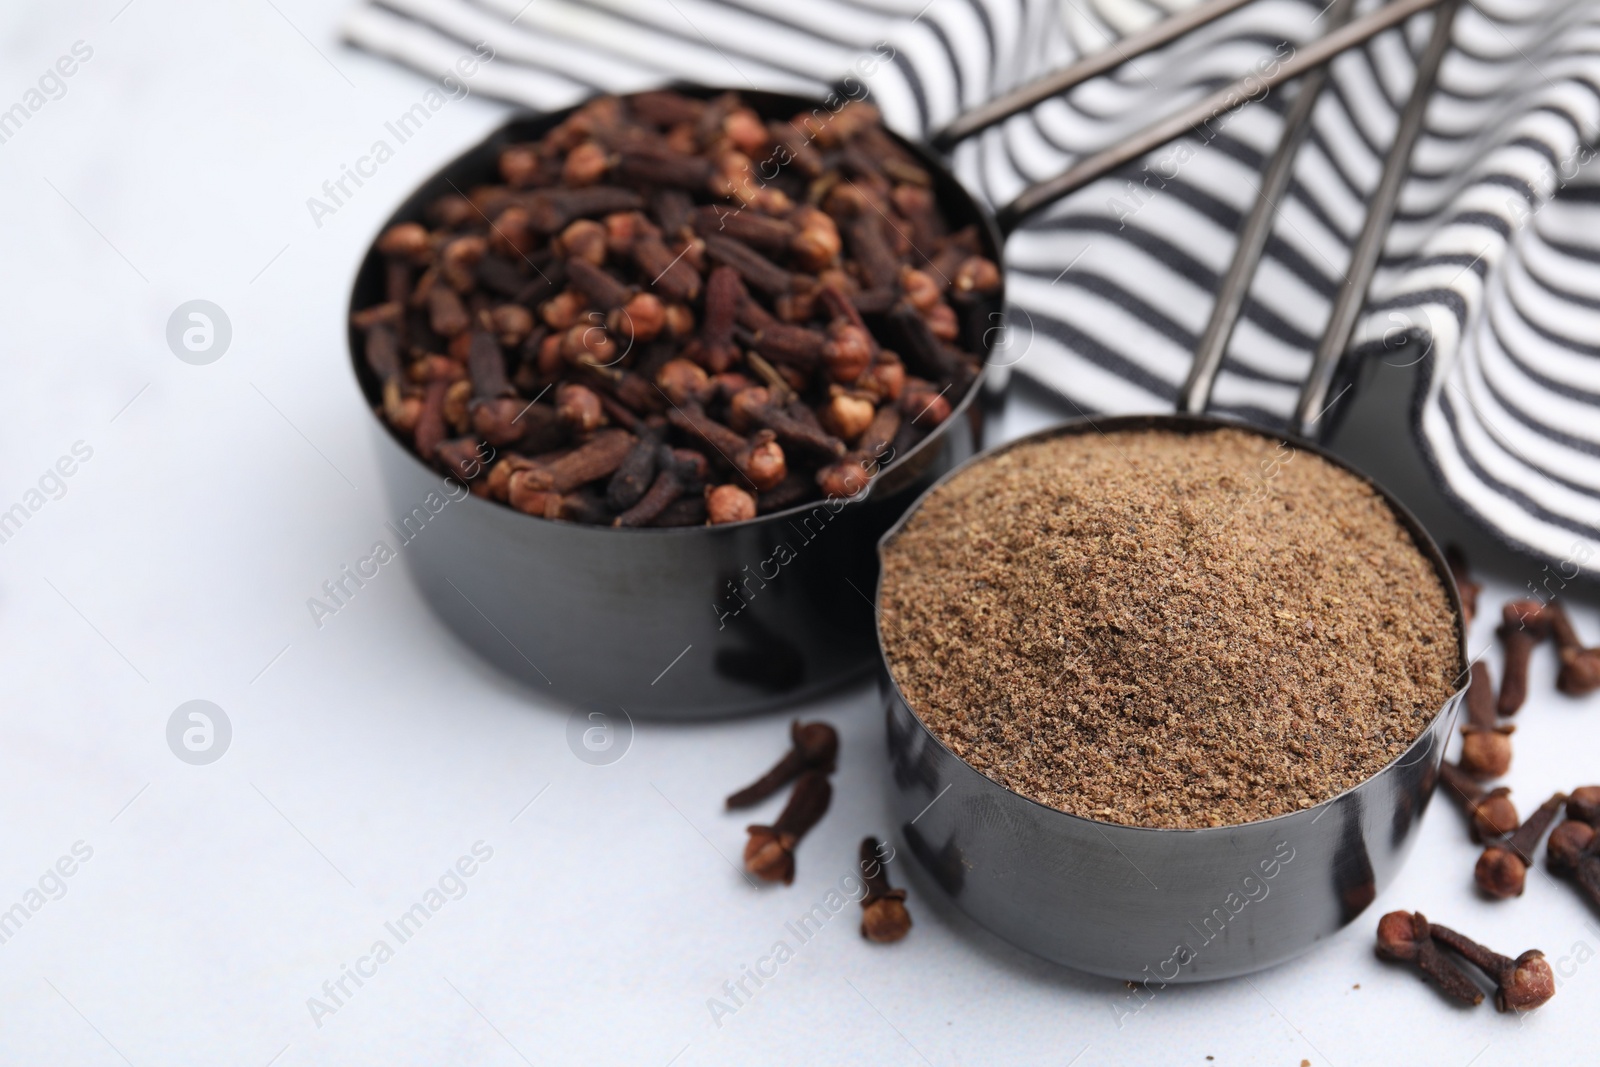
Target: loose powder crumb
(1164, 629)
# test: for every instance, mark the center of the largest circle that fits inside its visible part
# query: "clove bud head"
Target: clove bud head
(407, 240)
(1397, 936)
(1500, 873)
(1567, 844)
(885, 920)
(729, 503)
(1494, 815)
(1580, 671)
(1486, 753)
(1530, 984)
(769, 855)
(817, 743)
(764, 464)
(1583, 804)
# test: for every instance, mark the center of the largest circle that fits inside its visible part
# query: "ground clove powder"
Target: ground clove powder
(1165, 629)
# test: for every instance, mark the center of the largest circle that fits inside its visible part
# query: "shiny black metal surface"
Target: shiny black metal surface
(594, 614)
(1156, 905)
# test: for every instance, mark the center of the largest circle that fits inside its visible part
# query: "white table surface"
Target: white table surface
(369, 755)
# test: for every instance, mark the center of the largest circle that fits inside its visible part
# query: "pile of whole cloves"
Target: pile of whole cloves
(769, 852)
(672, 311)
(1510, 844)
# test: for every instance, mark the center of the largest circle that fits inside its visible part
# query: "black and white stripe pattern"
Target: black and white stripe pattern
(1491, 276)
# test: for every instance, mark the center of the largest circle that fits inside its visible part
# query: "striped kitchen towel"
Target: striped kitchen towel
(1491, 275)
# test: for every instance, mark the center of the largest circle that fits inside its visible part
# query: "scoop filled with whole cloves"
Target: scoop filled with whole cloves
(672, 311)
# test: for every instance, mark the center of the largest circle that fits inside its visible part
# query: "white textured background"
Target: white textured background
(369, 755)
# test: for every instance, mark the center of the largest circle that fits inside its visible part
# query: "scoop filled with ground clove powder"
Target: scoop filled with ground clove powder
(1167, 629)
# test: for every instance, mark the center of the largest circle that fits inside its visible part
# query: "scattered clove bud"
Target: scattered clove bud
(1492, 813)
(1521, 984)
(1406, 937)
(1567, 844)
(884, 917)
(1485, 745)
(1574, 848)
(814, 747)
(1583, 804)
(769, 854)
(1524, 623)
(1502, 870)
(1574, 852)
(1580, 667)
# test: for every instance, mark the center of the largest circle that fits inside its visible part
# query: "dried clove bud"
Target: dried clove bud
(922, 406)
(678, 471)
(884, 917)
(1521, 984)
(684, 382)
(596, 459)
(976, 275)
(406, 240)
(585, 164)
(848, 352)
(843, 480)
(446, 315)
(754, 269)
(562, 311)
(846, 416)
(813, 746)
(728, 503)
(458, 258)
(1567, 845)
(512, 323)
(762, 463)
(1485, 745)
(1502, 870)
(579, 408)
(758, 231)
(1574, 852)
(692, 419)
(769, 853)
(1580, 667)
(640, 320)
(430, 421)
(1524, 623)
(1406, 937)
(583, 241)
(637, 470)
(817, 244)
(549, 211)
(599, 288)
(1492, 813)
(1583, 804)
(754, 407)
